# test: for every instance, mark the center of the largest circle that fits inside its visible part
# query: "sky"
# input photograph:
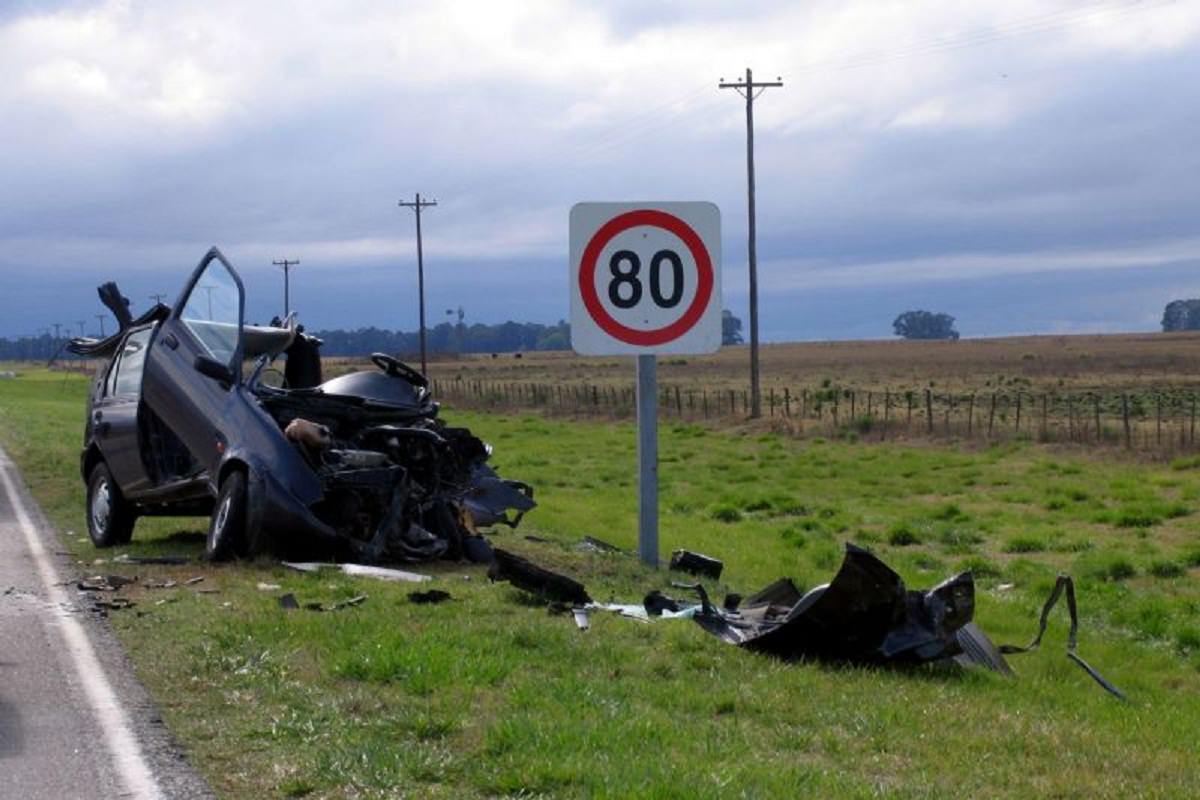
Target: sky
(1027, 166)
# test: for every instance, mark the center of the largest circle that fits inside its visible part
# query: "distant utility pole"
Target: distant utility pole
(287, 265)
(101, 318)
(157, 297)
(747, 90)
(81, 324)
(209, 290)
(57, 325)
(416, 205)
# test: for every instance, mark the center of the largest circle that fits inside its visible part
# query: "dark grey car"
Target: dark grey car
(357, 467)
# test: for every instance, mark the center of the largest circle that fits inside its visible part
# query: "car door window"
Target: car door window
(128, 382)
(212, 312)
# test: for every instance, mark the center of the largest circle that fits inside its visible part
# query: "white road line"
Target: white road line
(122, 744)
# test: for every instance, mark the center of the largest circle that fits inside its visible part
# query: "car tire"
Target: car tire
(110, 518)
(227, 528)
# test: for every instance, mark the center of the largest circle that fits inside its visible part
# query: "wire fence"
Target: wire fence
(1159, 421)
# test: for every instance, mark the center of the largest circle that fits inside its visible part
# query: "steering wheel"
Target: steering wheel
(397, 368)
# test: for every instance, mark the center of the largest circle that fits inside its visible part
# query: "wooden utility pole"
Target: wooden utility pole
(101, 318)
(747, 90)
(157, 297)
(416, 205)
(287, 266)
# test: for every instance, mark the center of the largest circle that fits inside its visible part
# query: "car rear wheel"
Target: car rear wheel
(109, 518)
(227, 529)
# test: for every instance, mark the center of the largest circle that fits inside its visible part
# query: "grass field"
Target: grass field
(488, 695)
(1038, 363)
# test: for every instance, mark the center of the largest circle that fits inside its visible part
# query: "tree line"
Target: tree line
(445, 337)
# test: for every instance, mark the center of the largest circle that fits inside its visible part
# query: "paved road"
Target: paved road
(73, 721)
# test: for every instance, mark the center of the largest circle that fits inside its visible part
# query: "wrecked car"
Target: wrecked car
(182, 421)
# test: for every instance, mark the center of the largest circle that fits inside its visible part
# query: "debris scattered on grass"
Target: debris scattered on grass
(269, 587)
(152, 584)
(288, 602)
(581, 618)
(524, 574)
(696, 564)
(360, 570)
(106, 604)
(431, 596)
(103, 583)
(594, 545)
(125, 558)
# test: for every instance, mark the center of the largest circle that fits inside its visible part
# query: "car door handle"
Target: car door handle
(170, 341)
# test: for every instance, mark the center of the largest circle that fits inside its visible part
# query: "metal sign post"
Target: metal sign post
(647, 448)
(645, 279)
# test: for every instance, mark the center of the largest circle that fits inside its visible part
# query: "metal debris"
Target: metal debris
(696, 564)
(524, 574)
(361, 570)
(429, 597)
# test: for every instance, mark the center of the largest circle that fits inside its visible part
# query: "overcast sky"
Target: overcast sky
(1025, 166)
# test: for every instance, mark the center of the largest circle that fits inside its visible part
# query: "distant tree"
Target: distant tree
(925, 325)
(1181, 315)
(731, 328)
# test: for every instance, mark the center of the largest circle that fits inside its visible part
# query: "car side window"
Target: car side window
(110, 380)
(133, 357)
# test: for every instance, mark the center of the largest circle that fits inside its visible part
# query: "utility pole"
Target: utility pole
(157, 297)
(80, 323)
(287, 265)
(747, 90)
(416, 205)
(101, 318)
(209, 290)
(57, 325)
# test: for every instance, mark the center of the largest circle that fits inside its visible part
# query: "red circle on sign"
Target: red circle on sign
(587, 277)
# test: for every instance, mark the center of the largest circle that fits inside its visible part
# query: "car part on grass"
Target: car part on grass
(357, 468)
(656, 603)
(288, 602)
(696, 564)
(526, 575)
(1062, 585)
(360, 570)
(429, 597)
(170, 561)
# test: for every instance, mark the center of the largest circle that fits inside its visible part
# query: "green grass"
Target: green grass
(489, 695)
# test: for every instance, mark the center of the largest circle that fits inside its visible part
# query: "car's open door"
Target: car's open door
(195, 363)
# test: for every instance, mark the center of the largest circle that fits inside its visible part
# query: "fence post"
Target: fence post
(1192, 430)
(1018, 421)
(887, 413)
(1070, 418)
(1096, 411)
(704, 397)
(929, 411)
(678, 402)
(804, 403)
(1045, 421)
(771, 401)
(971, 416)
(853, 412)
(991, 415)
(837, 402)
(732, 403)
(787, 403)
(1125, 418)
(1158, 418)
(869, 406)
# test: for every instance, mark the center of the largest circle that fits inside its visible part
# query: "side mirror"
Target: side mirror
(214, 369)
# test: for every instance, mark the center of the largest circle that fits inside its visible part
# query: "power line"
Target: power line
(287, 265)
(416, 205)
(746, 89)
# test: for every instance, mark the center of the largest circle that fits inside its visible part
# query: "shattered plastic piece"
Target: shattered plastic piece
(656, 602)
(524, 574)
(597, 545)
(104, 583)
(581, 618)
(193, 581)
(696, 564)
(431, 596)
(864, 615)
(362, 570)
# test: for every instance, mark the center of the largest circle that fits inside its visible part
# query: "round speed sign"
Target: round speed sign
(645, 278)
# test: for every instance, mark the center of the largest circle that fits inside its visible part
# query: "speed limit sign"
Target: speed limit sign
(645, 278)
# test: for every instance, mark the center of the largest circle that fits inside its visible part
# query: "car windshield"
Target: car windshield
(212, 312)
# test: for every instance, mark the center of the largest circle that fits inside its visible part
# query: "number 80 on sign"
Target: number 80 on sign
(645, 278)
